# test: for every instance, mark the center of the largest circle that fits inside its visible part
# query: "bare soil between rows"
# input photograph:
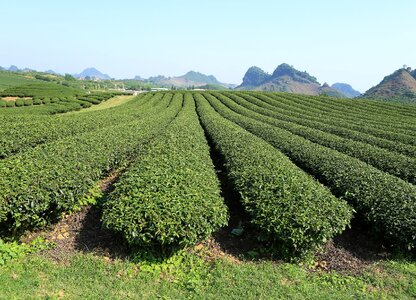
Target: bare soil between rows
(350, 253)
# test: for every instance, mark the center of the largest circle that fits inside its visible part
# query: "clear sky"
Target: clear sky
(352, 41)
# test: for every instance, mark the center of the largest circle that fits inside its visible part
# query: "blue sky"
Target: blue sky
(358, 42)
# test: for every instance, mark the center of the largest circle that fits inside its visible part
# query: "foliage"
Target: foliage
(254, 77)
(393, 163)
(288, 206)
(10, 79)
(52, 178)
(13, 250)
(40, 129)
(69, 77)
(386, 202)
(68, 98)
(170, 196)
(287, 70)
(187, 277)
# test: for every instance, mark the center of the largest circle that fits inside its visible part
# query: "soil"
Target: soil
(81, 232)
(12, 99)
(350, 253)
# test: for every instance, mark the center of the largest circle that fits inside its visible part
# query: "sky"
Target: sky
(356, 42)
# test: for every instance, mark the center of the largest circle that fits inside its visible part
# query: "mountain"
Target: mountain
(398, 86)
(190, 79)
(92, 73)
(197, 77)
(346, 89)
(254, 77)
(13, 69)
(285, 79)
(27, 70)
(413, 73)
(52, 72)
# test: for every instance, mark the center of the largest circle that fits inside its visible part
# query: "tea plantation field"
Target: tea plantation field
(165, 172)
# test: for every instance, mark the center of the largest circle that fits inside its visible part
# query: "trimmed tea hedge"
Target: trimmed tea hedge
(170, 197)
(394, 163)
(53, 177)
(289, 207)
(43, 129)
(385, 201)
(290, 113)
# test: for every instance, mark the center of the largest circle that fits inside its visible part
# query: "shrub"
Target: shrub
(170, 196)
(385, 201)
(289, 207)
(19, 102)
(37, 101)
(28, 102)
(52, 178)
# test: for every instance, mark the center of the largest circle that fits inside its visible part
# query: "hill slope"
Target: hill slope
(92, 73)
(285, 79)
(10, 79)
(399, 86)
(189, 79)
(346, 89)
(413, 73)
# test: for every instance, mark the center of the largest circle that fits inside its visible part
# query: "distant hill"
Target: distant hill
(93, 74)
(52, 72)
(193, 76)
(413, 73)
(346, 89)
(13, 69)
(253, 78)
(285, 79)
(399, 86)
(190, 79)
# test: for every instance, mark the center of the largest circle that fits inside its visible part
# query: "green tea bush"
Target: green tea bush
(170, 197)
(28, 102)
(394, 163)
(52, 178)
(20, 102)
(386, 202)
(37, 101)
(289, 207)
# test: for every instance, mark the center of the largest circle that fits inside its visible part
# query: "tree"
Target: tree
(69, 77)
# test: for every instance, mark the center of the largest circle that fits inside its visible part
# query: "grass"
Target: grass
(115, 101)
(188, 276)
